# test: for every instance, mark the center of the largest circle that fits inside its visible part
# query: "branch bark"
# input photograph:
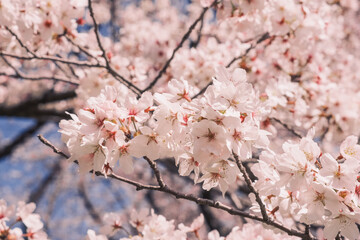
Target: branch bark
(190, 197)
(251, 187)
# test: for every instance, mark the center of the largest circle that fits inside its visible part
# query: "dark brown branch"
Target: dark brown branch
(87, 203)
(156, 172)
(252, 46)
(211, 221)
(251, 187)
(196, 43)
(149, 195)
(48, 97)
(113, 20)
(184, 38)
(32, 78)
(23, 137)
(287, 127)
(82, 49)
(49, 144)
(36, 195)
(32, 107)
(54, 59)
(43, 114)
(117, 76)
(20, 42)
(202, 91)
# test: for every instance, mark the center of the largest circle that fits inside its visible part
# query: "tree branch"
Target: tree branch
(252, 46)
(48, 97)
(54, 59)
(82, 49)
(196, 43)
(184, 38)
(32, 78)
(36, 195)
(32, 107)
(49, 144)
(120, 78)
(87, 203)
(287, 127)
(8, 149)
(190, 197)
(210, 219)
(20, 42)
(156, 172)
(251, 187)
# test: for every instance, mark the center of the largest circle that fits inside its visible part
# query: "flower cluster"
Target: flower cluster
(40, 21)
(22, 213)
(298, 64)
(297, 59)
(304, 68)
(312, 187)
(153, 226)
(201, 134)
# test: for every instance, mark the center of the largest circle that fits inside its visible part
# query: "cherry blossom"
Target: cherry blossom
(260, 94)
(24, 214)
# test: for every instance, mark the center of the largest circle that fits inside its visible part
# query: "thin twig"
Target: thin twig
(96, 30)
(82, 49)
(322, 136)
(11, 66)
(120, 78)
(251, 187)
(287, 127)
(156, 172)
(20, 42)
(62, 69)
(55, 78)
(49, 144)
(20, 75)
(116, 75)
(184, 38)
(55, 59)
(196, 43)
(202, 91)
(252, 46)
